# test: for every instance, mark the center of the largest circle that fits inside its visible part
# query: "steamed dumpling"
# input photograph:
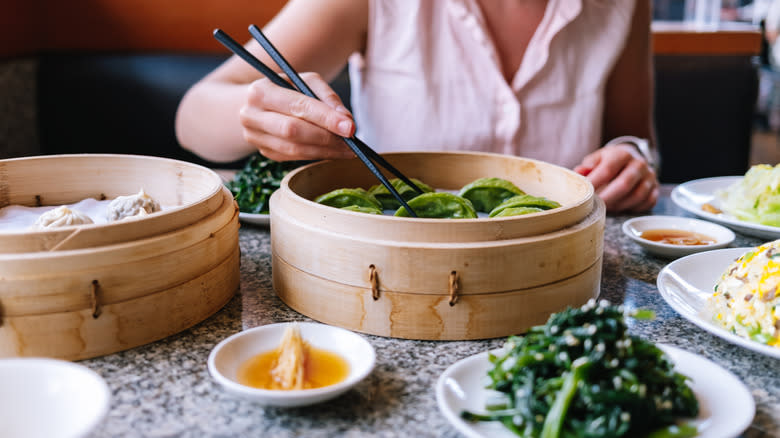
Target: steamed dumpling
(61, 216)
(383, 195)
(439, 205)
(517, 202)
(486, 194)
(130, 206)
(340, 198)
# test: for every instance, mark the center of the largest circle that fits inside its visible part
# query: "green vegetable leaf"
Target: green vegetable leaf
(253, 185)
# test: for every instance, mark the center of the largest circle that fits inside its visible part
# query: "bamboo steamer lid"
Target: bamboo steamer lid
(436, 278)
(107, 294)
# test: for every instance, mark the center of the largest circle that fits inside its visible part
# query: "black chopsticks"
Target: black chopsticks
(362, 150)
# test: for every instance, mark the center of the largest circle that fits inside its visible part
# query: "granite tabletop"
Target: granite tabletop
(163, 389)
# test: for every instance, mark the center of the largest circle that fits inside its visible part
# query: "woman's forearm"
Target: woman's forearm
(208, 124)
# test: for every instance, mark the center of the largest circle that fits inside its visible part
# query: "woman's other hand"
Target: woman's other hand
(622, 178)
(287, 125)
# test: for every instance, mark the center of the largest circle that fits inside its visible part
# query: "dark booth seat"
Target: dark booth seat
(122, 103)
(706, 85)
(116, 103)
(704, 108)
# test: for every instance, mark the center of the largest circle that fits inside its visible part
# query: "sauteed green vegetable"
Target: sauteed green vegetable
(253, 185)
(582, 375)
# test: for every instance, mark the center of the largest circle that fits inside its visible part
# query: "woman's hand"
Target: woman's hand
(621, 177)
(287, 125)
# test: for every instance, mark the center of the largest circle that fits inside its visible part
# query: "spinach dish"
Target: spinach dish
(253, 185)
(583, 375)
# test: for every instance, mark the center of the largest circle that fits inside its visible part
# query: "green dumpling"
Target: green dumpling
(516, 211)
(440, 205)
(387, 199)
(486, 193)
(359, 209)
(346, 197)
(524, 201)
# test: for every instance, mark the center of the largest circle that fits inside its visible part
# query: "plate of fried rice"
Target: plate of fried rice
(733, 293)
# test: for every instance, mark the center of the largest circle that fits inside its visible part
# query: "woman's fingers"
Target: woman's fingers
(324, 92)
(279, 149)
(287, 125)
(608, 163)
(590, 162)
(622, 178)
(643, 196)
(621, 187)
(269, 97)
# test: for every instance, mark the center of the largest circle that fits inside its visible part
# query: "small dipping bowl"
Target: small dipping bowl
(50, 398)
(634, 228)
(228, 356)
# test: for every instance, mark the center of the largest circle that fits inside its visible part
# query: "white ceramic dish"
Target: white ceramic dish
(262, 220)
(686, 284)
(691, 195)
(255, 219)
(634, 227)
(50, 398)
(726, 406)
(226, 358)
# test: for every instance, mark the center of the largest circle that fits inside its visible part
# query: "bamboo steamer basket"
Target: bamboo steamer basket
(92, 290)
(436, 279)
(190, 192)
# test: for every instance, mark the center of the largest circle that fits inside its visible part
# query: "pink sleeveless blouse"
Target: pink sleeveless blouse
(430, 79)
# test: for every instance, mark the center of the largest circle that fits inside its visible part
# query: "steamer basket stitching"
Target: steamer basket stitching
(454, 287)
(94, 299)
(373, 279)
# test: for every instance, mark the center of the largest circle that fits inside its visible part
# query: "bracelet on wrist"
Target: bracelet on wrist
(642, 145)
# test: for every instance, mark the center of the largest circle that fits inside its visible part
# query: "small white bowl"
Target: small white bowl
(633, 228)
(50, 397)
(226, 358)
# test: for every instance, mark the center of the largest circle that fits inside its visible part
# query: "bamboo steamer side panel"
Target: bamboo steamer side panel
(68, 285)
(424, 268)
(187, 191)
(78, 335)
(430, 317)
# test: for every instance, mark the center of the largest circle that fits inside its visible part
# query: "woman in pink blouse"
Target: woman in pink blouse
(563, 81)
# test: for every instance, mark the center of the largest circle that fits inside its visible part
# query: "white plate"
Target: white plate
(726, 407)
(691, 195)
(226, 358)
(255, 219)
(250, 218)
(634, 227)
(686, 283)
(50, 397)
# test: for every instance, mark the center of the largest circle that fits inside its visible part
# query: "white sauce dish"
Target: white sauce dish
(674, 236)
(227, 358)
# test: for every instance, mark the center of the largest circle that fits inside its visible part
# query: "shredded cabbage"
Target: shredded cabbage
(756, 197)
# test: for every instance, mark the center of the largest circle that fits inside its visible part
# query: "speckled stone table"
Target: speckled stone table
(164, 389)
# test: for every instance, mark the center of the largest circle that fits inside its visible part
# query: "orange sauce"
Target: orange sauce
(677, 237)
(709, 208)
(322, 368)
